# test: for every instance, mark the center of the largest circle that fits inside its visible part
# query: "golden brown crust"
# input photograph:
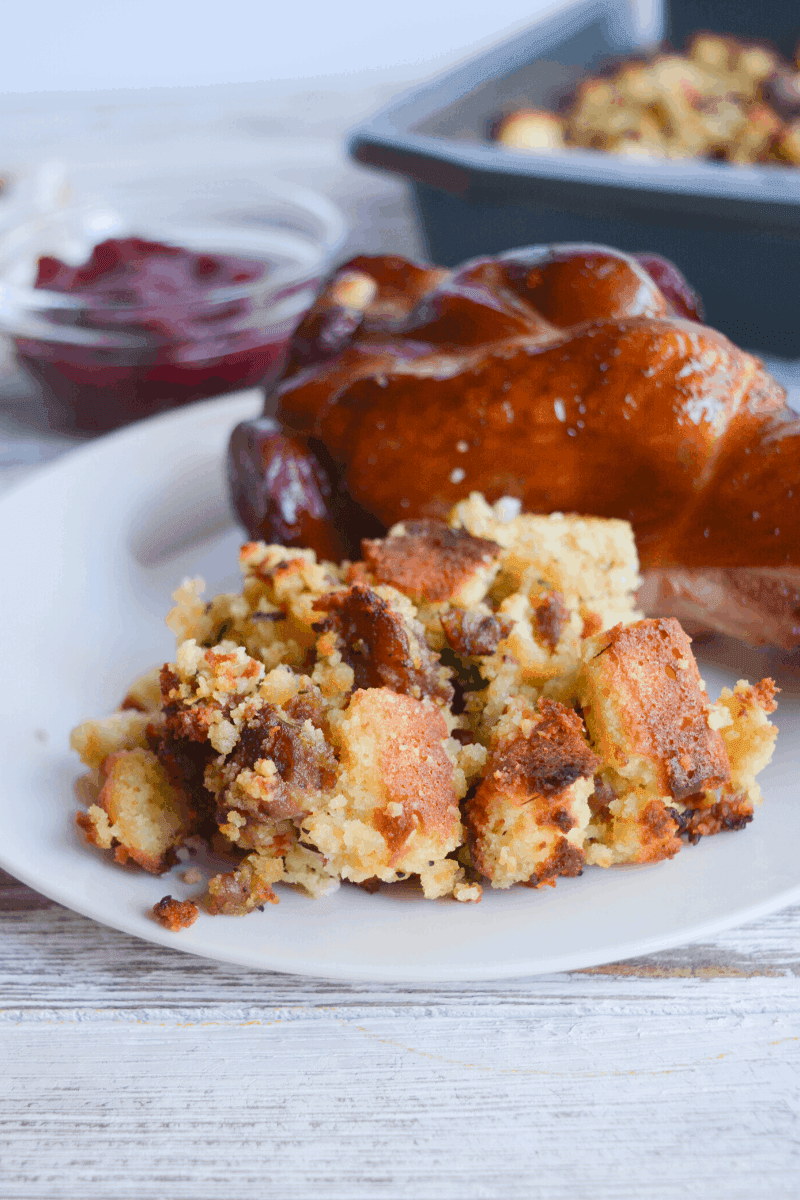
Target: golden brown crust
(549, 760)
(763, 694)
(601, 798)
(415, 770)
(659, 833)
(730, 813)
(710, 816)
(527, 790)
(643, 679)
(566, 859)
(592, 623)
(394, 809)
(175, 914)
(428, 560)
(90, 831)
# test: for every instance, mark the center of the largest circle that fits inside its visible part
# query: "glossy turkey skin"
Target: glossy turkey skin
(559, 375)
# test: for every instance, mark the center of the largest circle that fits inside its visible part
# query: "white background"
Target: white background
(57, 45)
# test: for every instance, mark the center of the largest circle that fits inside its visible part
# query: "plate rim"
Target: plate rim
(462, 974)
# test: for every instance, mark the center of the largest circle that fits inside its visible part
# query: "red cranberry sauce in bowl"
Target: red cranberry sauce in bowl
(122, 327)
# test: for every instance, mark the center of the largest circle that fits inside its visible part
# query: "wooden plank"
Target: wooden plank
(563, 1100)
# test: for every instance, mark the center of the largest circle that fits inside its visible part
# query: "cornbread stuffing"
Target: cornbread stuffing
(724, 99)
(476, 701)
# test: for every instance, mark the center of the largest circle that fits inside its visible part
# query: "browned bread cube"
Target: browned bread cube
(395, 808)
(528, 817)
(427, 560)
(647, 711)
(742, 718)
(138, 814)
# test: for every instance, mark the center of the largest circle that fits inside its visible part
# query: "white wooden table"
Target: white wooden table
(129, 1070)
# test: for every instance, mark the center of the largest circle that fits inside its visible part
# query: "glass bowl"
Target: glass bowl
(133, 334)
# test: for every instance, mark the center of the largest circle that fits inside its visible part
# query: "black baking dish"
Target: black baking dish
(734, 231)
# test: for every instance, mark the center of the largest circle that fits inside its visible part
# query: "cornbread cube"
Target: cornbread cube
(601, 114)
(788, 143)
(545, 636)
(427, 560)
(560, 578)
(636, 83)
(539, 648)
(138, 814)
(395, 811)
(756, 62)
(711, 50)
(591, 561)
(647, 711)
(528, 817)
(761, 129)
(95, 740)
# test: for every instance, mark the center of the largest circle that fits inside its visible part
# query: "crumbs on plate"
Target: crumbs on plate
(474, 701)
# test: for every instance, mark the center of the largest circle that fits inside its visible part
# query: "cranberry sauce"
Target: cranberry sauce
(191, 345)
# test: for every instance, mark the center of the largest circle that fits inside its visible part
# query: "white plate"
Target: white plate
(94, 546)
